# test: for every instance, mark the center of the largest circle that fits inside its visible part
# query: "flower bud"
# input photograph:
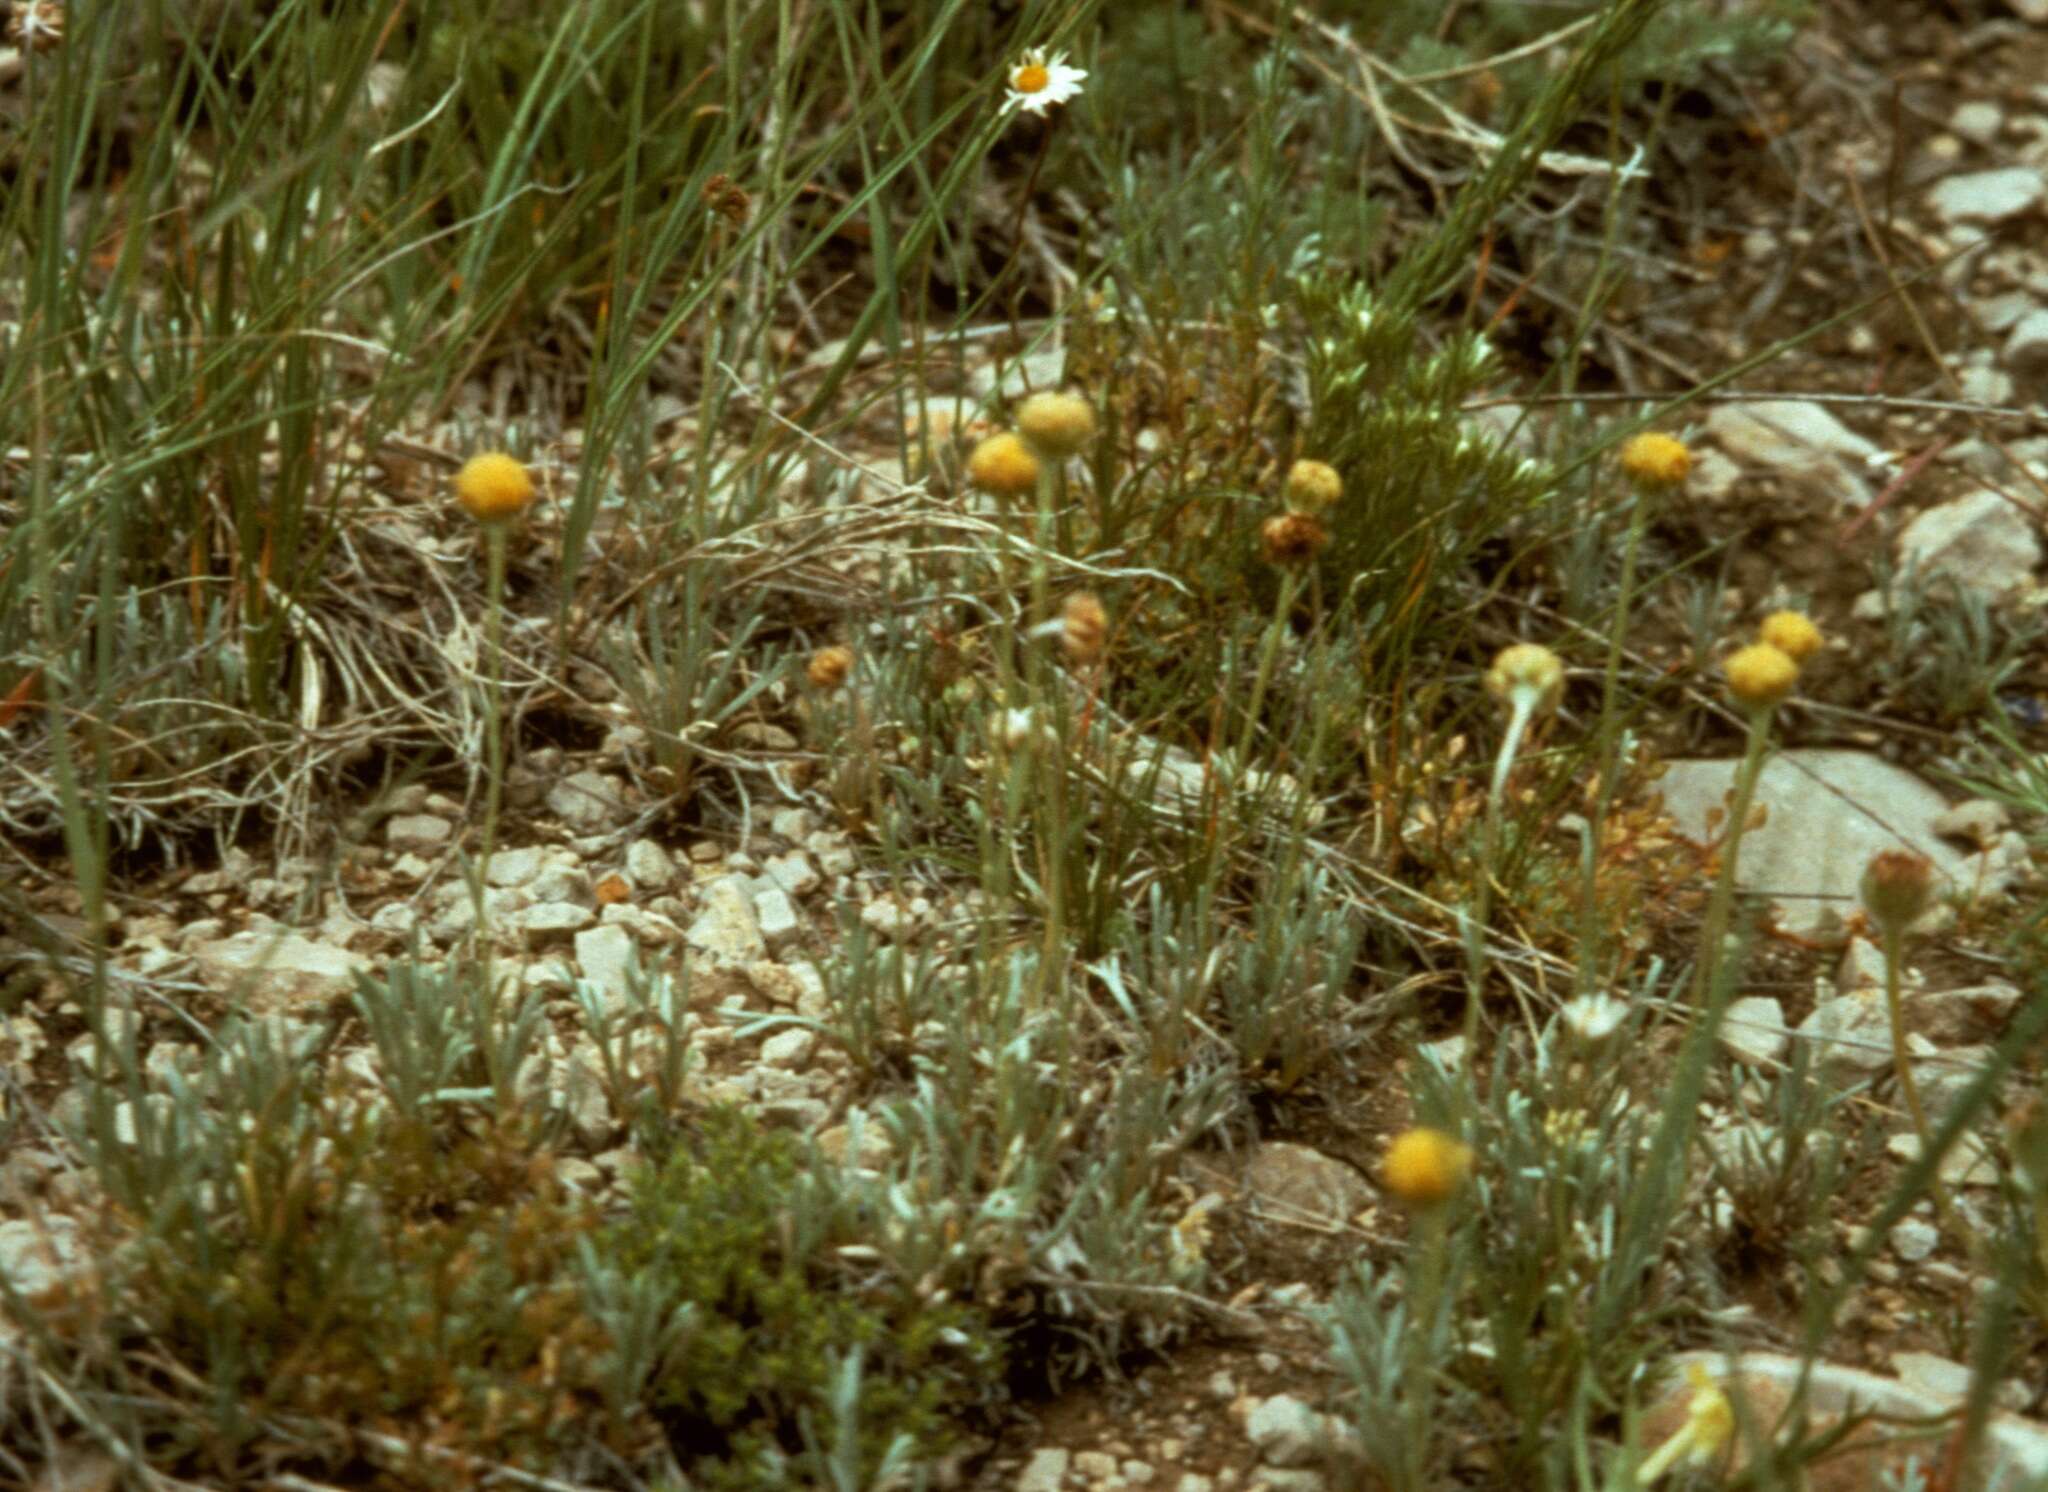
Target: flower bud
(1313, 486)
(1897, 889)
(1760, 676)
(1059, 425)
(1791, 633)
(493, 487)
(828, 667)
(1004, 466)
(1425, 1167)
(1529, 670)
(1084, 627)
(1656, 461)
(1290, 539)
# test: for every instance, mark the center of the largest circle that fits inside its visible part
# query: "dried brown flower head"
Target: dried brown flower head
(829, 667)
(1084, 627)
(1290, 539)
(727, 198)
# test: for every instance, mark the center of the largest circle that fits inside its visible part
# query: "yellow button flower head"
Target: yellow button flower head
(493, 487)
(1791, 633)
(1709, 1424)
(1527, 670)
(1424, 1167)
(1656, 461)
(1058, 425)
(1760, 675)
(1897, 887)
(1084, 627)
(1004, 465)
(1038, 82)
(1313, 486)
(828, 667)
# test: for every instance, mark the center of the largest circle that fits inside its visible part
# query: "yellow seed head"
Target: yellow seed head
(1084, 627)
(1424, 1167)
(1289, 539)
(1313, 486)
(1004, 465)
(1057, 424)
(493, 487)
(1530, 669)
(1760, 675)
(1897, 887)
(1653, 460)
(1791, 633)
(829, 667)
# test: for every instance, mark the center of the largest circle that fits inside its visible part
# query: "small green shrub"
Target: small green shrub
(744, 1234)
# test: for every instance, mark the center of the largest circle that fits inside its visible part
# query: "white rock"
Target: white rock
(791, 1049)
(398, 917)
(889, 918)
(1800, 442)
(417, 831)
(649, 866)
(604, 954)
(796, 986)
(2026, 347)
(793, 872)
(2035, 11)
(1912, 1240)
(515, 867)
(1987, 196)
(1045, 1471)
(1830, 810)
(272, 968)
(1942, 1377)
(41, 1255)
(1753, 1031)
(1981, 542)
(1977, 121)
(776, 916)
(1286, 1431)
(560, 881)
(725, 928)
(1967, 1163)
(1862, 967)
(1977, 822)
(1850, 1033)
(1301, 1182)
(792, 824)
(835, 856)
(588, 802)
(555, 917)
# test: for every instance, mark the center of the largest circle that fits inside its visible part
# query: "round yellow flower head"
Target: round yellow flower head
(1791, 633)
(1289, 539)
(1653, 460)
(1060, 425)
(1760, 675)
(1313, 486)
(1004, 465)
(1084, 626)
(493, 487)
(1528, 669)
(1897, 887)
(828, 667)
(1424, 1167)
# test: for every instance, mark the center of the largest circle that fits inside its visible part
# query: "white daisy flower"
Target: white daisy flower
(1037, 83)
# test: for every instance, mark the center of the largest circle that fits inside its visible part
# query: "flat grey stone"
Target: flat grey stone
(41, 1255)
(1045, 1471)
(1913, 1240)
(562, 882)
(790, 1050)
(512, 868)
(793, 872)
(1851, 1033)
(417, 831)
(1829, 811)
(776, 917)
(604, 954)
(588, 802)
(649, 866)
(555, 917)
(1797, 441)
(274, 969)
(1981, 542)
(725, 928)
(1304, 1181)
(1753, 1031)
(1987, 196)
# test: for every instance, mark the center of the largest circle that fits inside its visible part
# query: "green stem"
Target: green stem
(1426, 1268)
(495, 536)
(1893, 936)
(1522, 709)
(1722, 903)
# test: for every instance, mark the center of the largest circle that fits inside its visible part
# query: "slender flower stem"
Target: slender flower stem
(1893, 936)
(1521, 710)
(1721, 905)
(495, 536)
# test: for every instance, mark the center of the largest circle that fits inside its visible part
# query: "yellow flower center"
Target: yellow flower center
(1031, 77)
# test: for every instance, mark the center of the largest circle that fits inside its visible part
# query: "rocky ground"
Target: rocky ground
(1902, 441)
